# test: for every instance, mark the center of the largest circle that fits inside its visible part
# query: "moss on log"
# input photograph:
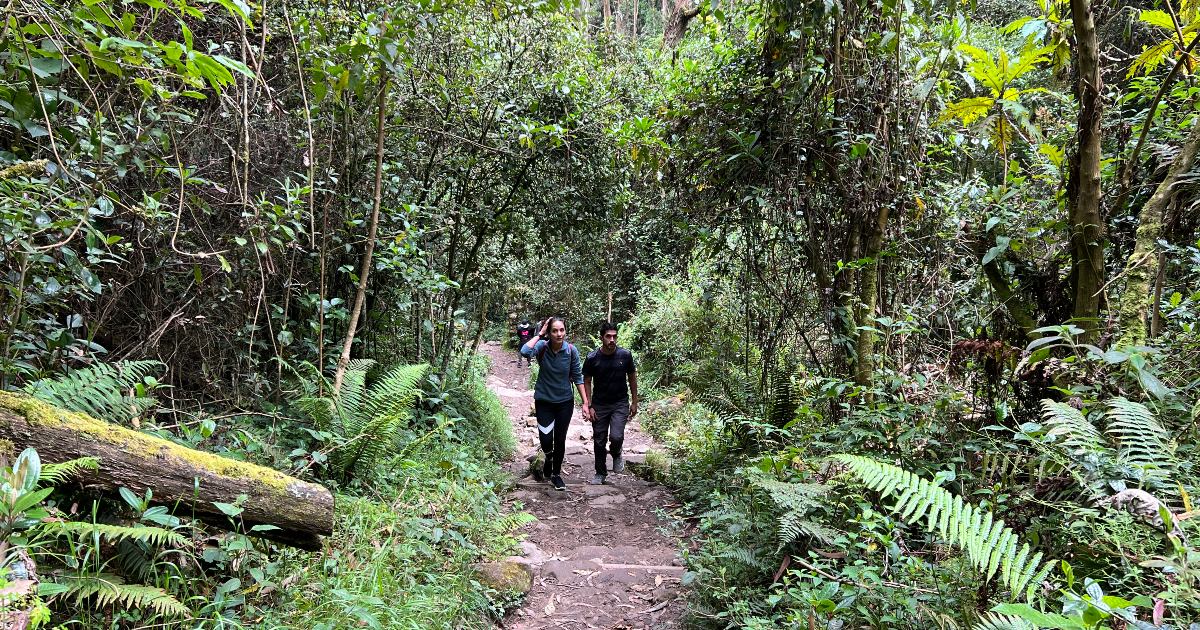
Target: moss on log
(177, 475)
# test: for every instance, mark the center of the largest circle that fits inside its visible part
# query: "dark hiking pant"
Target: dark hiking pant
(608, 428)
(553, 421)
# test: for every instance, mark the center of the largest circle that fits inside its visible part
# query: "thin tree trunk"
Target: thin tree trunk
(1143, 263)
(868, 300)
(1087, 231)
(1156, 319)
(368, 251)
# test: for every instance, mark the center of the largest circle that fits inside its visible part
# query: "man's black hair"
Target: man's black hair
(607, 326)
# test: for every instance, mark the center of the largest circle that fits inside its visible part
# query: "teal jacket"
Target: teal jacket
(557, 371)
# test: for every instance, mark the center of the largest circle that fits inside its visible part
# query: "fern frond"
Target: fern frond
(512, 522)
(1145, 445)
(989, 544)
(113, 533)
(56, 474)
(363, 450)
(395, 392)
(349, 399)
(793, 525)
(1073, 431)
(1002, 622)
(744, 555)
(99, 390)
(109, 590)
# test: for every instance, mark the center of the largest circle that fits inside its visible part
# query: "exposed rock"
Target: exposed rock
(510, 575)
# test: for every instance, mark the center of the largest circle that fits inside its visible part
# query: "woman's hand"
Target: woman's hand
(545, 325)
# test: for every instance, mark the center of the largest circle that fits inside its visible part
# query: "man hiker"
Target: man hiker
(605, 374)
(553, 401)
(524, 333)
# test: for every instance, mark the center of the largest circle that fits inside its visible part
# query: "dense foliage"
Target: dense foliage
(915, 284)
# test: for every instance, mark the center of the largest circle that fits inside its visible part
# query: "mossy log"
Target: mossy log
(182, 478)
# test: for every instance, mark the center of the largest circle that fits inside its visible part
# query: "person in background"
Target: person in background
(553, 401)
(524, 333)
(606, 372)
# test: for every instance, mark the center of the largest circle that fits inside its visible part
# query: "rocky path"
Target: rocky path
(601, 556)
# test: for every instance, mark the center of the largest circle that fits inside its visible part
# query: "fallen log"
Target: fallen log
(185, 479)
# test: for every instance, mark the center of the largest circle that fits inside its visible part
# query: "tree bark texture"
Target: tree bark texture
(1087, 231)
(364, 271)
(1142, 267)
(677, 22)
(302, 511)
(868, 300)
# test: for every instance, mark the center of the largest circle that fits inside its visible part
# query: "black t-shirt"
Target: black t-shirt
(608, 372)
(524, 332)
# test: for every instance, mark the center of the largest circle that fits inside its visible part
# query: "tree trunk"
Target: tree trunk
(1143, 263)
(176, 474)
(677, 23)
(868, 300)
(1087, 231)
(365, 270)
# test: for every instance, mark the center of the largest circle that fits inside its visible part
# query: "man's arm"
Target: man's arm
(587, 386)
(633, 395)
(587, 402)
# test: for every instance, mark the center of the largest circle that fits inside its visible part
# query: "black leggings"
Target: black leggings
(553, 421)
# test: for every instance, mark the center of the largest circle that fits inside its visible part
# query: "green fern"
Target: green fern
(796, 500)
(366, 421)
(990, 545)
(100, 390)
(746, 556)
(114, 533)
(1072, 430)
(1145, 445)
(1138, 447)
(394, 393)
(512, 522)
(1003, 622)
(57, 474)
(110, 590)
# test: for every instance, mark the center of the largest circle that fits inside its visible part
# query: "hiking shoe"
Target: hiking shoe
(558, 483)
(597, 480)
(618, 464)
(539, 475)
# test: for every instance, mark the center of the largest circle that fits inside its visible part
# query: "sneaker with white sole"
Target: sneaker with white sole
(597, 480)
(618, 464)
(558, 483)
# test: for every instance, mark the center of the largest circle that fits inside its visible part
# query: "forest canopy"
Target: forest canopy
(912, 286)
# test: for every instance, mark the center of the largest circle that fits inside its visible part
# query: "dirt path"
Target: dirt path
(598, 555)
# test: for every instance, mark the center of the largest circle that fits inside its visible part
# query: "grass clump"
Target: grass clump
(403, 558)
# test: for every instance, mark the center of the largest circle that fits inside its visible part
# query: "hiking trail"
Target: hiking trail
(599, 554)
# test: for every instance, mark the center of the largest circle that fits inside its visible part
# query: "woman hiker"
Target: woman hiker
(553, 402)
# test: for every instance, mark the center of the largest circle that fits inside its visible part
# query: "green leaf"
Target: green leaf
(234, 64)
(228, 509)
(30, 499)
(1000, 247)
(1039, 618)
